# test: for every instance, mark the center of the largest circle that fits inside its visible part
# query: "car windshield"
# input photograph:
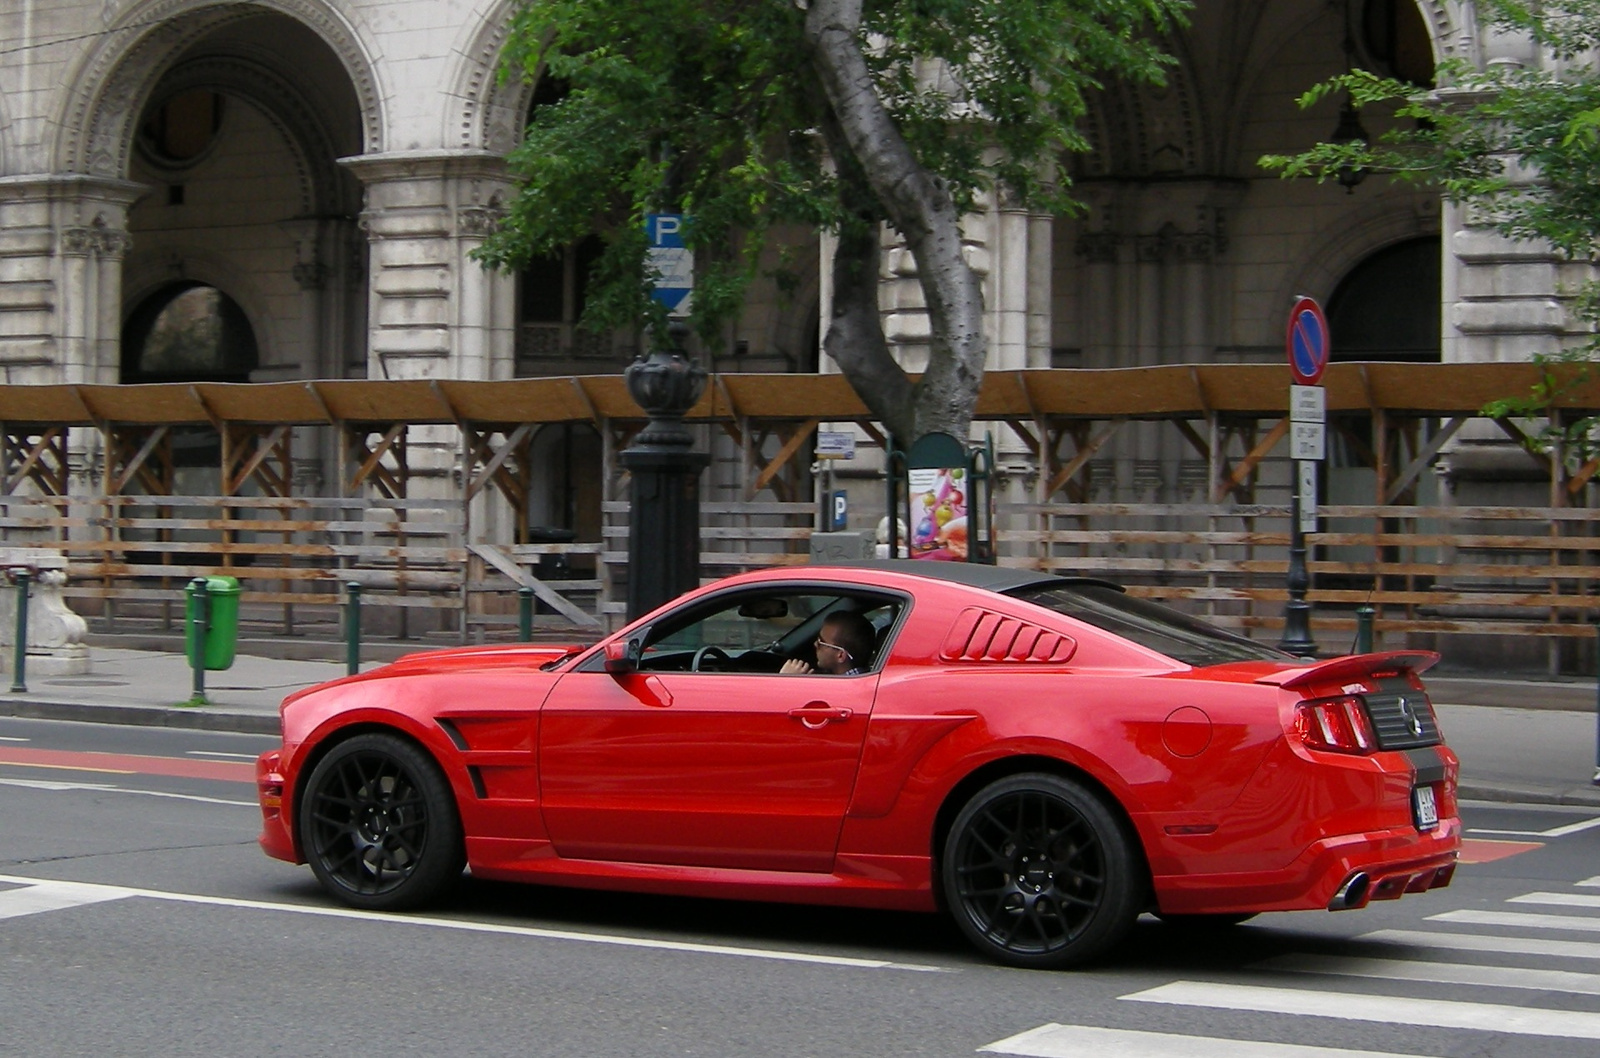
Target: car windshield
(1177, 635)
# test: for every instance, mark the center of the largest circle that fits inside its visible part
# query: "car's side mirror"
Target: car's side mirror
(622, 655)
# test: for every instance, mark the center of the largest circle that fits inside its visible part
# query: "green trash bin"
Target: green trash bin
(222, 633)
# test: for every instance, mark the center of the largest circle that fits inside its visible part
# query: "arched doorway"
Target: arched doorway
(188, 332)
(1387, 307)
(238, 140)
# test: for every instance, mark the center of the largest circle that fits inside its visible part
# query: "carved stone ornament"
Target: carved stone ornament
(666, 385)
(98, 239)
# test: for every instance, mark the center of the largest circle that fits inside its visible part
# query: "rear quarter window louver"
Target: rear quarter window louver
(983, 635)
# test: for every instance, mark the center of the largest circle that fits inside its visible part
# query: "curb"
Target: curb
(199, 718)
(1513, 793)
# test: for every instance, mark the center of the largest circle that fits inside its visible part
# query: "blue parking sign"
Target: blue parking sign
(671, 261)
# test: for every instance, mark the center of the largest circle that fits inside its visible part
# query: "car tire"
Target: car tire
(378, 824)
(1039, 872)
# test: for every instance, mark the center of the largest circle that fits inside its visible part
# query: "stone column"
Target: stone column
(433, 312)
(62, 241)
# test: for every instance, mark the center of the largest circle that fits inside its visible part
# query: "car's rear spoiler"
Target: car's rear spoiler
(1353, 667)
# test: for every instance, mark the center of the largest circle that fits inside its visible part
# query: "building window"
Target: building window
(554, 293)
(177, 132)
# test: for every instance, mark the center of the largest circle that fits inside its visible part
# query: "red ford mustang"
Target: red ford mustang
(1045, 757)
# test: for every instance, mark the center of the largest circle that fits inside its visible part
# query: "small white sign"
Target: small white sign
(1307, 440)
(1308, 496)
(1308, 404)
(836, 444)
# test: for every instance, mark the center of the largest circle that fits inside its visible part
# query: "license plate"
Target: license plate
(1424, 808)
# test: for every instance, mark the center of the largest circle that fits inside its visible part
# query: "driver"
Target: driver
(842, 647)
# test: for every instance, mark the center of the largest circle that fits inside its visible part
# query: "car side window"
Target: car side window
(756, 632)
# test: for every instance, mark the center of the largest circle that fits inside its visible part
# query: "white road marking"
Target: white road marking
(36, 897)
(1079, 1041)
(219, 753)
(1565, 949)
(14, 738)
(615, 940)
(1593, 883)
(1553, 832)
(1557, 899)
(1438, 973)
(1395, 1010)
(56, 787)
(1518, 918)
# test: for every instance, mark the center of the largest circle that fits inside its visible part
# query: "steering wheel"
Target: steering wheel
(708, 652)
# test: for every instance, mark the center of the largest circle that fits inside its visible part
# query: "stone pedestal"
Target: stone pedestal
(55, 633)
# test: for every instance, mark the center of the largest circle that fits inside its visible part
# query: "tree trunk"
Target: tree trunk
(919, 206)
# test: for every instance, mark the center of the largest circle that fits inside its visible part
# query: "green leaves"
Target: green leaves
(711, 108)
(1521, 145)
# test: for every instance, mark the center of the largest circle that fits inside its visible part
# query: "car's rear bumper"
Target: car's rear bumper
(1355, 868)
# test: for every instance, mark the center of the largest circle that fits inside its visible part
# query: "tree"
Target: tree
(1516, 143)
(842, 115)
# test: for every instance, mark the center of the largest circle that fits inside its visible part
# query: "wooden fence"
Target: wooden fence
(1426, 571)
(130, 558)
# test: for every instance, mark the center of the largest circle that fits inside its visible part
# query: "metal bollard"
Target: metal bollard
(524, 615)
(352, 628)
(202, 620)
(19, 669)
(1364, 615)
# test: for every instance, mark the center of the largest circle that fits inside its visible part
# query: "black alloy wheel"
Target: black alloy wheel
(1040, 873)
(379, 826)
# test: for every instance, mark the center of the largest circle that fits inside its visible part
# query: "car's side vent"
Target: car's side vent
(983, 635)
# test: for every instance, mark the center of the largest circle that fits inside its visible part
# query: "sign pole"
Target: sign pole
(1308, 347)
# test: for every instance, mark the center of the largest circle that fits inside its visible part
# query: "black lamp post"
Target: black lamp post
(1350, 130)
(664, 523)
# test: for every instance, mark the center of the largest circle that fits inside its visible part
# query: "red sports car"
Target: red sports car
(1045, 757)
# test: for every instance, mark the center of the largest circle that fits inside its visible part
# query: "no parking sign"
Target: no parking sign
(1307, 341)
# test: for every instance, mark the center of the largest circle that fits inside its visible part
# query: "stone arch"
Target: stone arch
(1325, 261)
(490, 113)
(117, 76)
(301, 122)
(144, 275)
(1450, 29)
(1144, 130)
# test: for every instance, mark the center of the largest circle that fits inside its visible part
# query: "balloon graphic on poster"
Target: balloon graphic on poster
(939, 514)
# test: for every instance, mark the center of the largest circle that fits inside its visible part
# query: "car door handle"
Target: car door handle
(818, 714)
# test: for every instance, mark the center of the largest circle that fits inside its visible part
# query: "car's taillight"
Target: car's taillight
(1336, 724)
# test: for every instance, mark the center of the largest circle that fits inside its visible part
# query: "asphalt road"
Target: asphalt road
(176, 936)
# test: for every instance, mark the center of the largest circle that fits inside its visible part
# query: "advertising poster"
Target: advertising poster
(939, 514)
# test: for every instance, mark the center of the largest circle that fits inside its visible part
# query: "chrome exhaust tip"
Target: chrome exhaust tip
(1352, 894)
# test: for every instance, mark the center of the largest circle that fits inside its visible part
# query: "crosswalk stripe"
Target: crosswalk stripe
(1557, 899)
(1438, 973)
(1076, 1041)
(1566, 949)
(54, 896)
(1575, 923)
(1348, 1006)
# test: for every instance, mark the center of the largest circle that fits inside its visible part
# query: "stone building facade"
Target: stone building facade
(306, 178)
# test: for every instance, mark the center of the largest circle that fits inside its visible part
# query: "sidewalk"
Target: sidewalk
(1519, 740)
